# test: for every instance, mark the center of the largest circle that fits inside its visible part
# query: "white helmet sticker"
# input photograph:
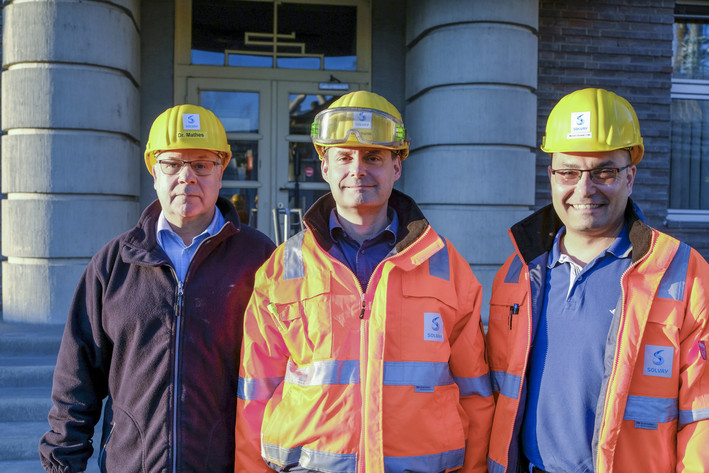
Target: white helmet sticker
(580, 125)
(190, 121)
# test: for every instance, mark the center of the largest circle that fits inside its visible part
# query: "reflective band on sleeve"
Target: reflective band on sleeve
(416, 373)
(480, 386)
(293, 266)
(494, 467)
(693, 415)
(650, 409)
(439, 265)
(507, 384)
(674, 279)
(436, 462)
(513, 271)
(257, 389)
(282, 459)
(319, 373)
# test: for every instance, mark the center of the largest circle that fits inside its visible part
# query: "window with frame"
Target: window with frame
(689, 151)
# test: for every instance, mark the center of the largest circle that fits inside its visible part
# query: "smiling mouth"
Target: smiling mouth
(585, 206)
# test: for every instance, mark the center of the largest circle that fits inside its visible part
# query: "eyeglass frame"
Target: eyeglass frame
(590, 173)
(185, 163)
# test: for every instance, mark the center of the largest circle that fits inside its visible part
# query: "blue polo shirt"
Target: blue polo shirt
(363, 259)
(566, 360)
(179, 253)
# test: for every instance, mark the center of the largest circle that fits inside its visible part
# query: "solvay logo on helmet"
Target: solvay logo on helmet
(580, 125)
(658, 361)
(433, 327)
(190, 121)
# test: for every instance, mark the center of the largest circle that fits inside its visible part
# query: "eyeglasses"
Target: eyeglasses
(201, 167)
(335, 125)
(602, 176)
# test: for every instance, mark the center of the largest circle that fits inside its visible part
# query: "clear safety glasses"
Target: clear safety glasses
(335, 125)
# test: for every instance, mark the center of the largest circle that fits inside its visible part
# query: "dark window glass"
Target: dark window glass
(689, 185)
(242, 33)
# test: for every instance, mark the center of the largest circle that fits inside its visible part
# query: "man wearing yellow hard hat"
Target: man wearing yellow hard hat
(155, 326)
(363, 348)
(598, 323)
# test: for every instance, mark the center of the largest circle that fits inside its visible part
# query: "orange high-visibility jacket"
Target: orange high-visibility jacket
(649, 418)
(335, 379)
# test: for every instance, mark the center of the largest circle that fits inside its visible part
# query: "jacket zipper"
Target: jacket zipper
(619, 341)
(176, 384)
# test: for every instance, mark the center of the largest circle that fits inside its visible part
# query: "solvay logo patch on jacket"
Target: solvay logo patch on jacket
(433, 327)
(658, 361)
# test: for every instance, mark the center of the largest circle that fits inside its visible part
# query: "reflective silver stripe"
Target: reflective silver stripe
(507, 384)
(480, 385)
(280, 459)
(435, 462)
(416, 373)
(494, 467)
(319, 373)
(513, 271)
(439, 264)
(293, 266)
(653, 410)
(257, 389)
(692, 415)
(674, 279)
(396, 373)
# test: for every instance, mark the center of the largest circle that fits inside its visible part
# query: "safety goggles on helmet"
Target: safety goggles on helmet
(337, 125)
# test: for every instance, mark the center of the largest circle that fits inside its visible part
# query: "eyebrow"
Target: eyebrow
(603, 164)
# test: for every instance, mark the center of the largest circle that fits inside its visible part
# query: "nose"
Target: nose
(585, 185)
(186, 174)
(358, 167)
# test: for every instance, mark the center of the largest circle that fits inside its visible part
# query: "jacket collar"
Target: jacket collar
(140, 244)
(412, 223)
(535, 235)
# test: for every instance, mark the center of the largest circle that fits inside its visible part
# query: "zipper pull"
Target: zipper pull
(364, 305)
(514, 310)
(178, 303)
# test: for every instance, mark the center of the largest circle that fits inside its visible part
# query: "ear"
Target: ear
(397, 165)
(630, 178)
(155, 175)
(325, 167)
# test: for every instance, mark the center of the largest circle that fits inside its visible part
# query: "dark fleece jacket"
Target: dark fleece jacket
(165, 358)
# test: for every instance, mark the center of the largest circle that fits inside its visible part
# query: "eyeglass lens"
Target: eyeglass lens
(200, 167)
(598, 176)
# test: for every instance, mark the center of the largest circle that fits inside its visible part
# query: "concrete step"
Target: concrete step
(19, 440)
(34, 466)
(26, 371)
(25, 404)
(28, 339)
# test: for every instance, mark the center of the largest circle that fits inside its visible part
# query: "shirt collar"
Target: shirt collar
(336, 230)
(620, 248)
(163, 227)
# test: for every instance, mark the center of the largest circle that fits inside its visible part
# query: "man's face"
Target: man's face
(361, 179)
(186, 197)
(587, 208)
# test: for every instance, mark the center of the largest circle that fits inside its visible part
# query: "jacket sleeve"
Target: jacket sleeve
(470, 370)
(263, 366)
(693, 424)
(80, 381)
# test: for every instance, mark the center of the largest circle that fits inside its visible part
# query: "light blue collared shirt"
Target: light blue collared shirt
(566, 361)
(172, 244)
(363, 259)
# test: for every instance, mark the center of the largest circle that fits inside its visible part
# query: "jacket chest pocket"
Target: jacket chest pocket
(507, 326)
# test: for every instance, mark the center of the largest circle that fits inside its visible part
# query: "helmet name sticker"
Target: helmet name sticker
(580, 125)
(190, 121)
(363, 120)
(191, 134)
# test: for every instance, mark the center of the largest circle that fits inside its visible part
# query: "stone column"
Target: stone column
(71, 157)
(471, 75)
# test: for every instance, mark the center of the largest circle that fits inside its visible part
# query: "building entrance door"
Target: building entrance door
(274, 174)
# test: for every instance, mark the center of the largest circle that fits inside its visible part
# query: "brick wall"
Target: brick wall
(624, 46)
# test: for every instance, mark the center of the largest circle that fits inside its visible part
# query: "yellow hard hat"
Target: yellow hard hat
(186, 127)
(593, 120)
(360, 119)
